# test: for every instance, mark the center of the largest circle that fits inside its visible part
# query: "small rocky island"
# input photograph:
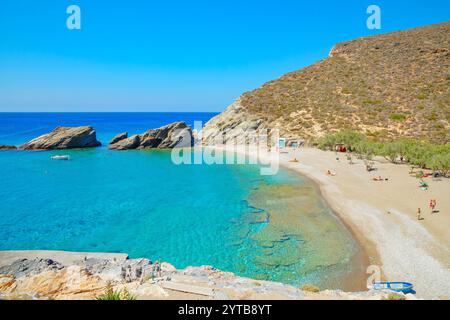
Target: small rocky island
(174, 135)
(4, 147)
(64, 138)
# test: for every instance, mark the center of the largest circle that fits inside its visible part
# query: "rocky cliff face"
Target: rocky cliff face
(232, 125)
(175, 135)
(64, 138)
(386, 86)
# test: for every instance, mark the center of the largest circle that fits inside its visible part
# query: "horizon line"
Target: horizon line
(110, 112)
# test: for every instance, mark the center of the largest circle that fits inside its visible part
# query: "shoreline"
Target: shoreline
(413, 252)
(366, 254)
(403, 248)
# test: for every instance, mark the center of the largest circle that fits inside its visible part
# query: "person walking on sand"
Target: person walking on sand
(434, 205)
(431, 205)
(158, 268)
(419, 214)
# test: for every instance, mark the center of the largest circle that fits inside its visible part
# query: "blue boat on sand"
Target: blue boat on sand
(404, 287)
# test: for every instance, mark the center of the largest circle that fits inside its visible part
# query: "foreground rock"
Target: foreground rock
(64, 138)
(175, 135)
(4, 147)
(88, 276)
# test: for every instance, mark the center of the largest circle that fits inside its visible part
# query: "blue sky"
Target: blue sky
(174, 55)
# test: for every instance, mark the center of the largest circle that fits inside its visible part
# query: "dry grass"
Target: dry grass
(392, 85)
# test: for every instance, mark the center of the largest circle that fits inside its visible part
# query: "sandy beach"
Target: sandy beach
(383, 217)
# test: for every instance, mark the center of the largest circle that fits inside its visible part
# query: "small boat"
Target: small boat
(404, 287)
(63, 157)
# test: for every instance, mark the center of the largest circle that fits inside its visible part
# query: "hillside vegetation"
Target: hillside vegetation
(387, 86)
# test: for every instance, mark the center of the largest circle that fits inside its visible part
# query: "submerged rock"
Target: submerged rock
(4, 147)
(175, 135)
(64, 138)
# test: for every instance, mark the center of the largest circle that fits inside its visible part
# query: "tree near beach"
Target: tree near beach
(348, 138)
(417, 153)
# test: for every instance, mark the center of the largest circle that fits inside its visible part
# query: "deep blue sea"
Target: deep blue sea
(140, 203)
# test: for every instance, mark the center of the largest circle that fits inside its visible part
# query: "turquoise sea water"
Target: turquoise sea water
(139, 203)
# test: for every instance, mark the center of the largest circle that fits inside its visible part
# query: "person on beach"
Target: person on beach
(330, 173)
(419, 214)
(431, 205)
(158, 269)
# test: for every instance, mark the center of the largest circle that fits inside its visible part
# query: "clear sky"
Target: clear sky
(169, 55)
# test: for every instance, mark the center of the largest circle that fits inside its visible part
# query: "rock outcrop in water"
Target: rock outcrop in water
(4, 147)
(64, 138)
(88, 276)
(175, 135)
(119, 137)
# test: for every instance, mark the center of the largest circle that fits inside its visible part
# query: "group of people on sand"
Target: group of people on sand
(432, 205)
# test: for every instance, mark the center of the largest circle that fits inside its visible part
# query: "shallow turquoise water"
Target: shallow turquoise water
(138, 202)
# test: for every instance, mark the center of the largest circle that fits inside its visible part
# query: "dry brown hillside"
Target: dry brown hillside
(387, 86)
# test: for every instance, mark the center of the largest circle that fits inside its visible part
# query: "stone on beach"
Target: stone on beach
(175, 135)
(64, 138)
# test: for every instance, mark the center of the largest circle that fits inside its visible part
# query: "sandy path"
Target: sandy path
(383, 216)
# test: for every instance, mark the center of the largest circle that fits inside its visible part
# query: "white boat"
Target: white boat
(62, 157)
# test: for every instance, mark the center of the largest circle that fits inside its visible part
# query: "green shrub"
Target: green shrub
(347, 137)
(395, 296)
(397, 116)
(416, 153)
(110, 294)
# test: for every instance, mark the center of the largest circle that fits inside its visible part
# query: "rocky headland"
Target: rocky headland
(386, 86)
(57, 275)
(174, 135)
(64, 138)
